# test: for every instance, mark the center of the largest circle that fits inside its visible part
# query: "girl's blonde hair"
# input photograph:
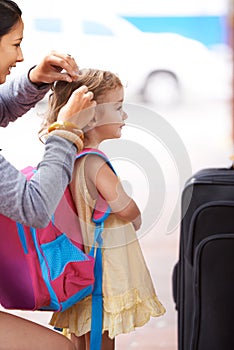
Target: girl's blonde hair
(98, 81)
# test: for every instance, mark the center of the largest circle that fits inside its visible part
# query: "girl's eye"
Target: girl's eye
(120, 108)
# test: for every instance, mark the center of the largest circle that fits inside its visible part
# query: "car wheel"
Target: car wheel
(161, 88)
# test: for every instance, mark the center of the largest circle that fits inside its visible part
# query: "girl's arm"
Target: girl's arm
(100, 178)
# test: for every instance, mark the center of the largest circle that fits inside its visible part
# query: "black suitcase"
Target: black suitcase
(203, 278)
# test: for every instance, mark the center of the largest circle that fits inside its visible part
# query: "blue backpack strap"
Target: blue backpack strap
(97, 302)
(100, 214)
(94, 151)
(102, 209)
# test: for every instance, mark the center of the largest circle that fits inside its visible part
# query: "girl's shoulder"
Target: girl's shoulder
(88, 151)
(93, 158)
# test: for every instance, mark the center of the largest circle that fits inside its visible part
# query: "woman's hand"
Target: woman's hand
(79, 109)
(55, 66)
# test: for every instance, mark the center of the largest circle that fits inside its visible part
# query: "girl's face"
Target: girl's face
(110, 115)
(10, 50)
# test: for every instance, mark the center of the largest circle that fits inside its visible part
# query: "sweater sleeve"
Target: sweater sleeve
(18, 96)
(34, 202)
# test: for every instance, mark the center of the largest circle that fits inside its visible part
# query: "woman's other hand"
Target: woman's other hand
(54, 66)
(79, 109)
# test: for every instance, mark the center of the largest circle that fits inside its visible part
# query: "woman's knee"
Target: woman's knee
(69, 345)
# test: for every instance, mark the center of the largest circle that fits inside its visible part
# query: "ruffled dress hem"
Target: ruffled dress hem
(122, 322)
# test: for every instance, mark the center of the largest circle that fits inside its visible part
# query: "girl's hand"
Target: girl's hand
(55, 66)
(79, 109)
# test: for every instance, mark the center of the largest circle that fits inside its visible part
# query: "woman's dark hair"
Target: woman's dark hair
(10, 14)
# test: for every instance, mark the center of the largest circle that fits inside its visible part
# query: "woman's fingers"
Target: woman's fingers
(80, 100)
(55, 66)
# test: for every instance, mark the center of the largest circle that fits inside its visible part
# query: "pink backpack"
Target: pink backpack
(46, 269)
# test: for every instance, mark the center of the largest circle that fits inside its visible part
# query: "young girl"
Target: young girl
(129, 298)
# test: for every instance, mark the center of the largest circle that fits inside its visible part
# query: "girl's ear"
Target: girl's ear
(92, 123)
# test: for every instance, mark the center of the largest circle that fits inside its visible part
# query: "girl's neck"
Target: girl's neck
(92, 139)
(88, 144)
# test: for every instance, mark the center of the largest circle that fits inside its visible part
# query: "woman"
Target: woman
(16, 98)
(33, 202)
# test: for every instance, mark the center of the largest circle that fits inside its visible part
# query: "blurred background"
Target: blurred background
(175, 58)
(165, 53)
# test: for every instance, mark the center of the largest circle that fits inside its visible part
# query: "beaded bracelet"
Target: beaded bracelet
(66, 126)
(68, 135)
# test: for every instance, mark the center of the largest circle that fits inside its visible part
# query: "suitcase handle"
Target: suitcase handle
(232, 159)
(175, 284)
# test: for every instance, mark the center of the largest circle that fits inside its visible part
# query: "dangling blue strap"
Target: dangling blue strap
(97, 307)
(97, 303)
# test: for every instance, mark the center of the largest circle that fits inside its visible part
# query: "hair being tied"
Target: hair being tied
(97, 81)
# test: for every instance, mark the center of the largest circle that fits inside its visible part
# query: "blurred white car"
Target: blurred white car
(159, 68)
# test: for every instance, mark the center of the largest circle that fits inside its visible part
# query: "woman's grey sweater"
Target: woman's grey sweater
(32, 202)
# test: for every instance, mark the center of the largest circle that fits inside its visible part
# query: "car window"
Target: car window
(96, 28)
(53, 25)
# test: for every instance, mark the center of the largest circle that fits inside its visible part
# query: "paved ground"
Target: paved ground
(205, 131)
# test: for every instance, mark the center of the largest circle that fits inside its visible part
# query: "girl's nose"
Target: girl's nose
(124, 116)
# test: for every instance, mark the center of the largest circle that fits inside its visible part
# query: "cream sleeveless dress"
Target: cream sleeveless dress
(129, 297)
